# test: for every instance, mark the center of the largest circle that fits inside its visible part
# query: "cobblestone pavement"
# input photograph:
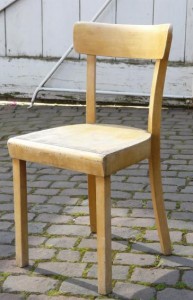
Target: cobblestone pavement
(62, 250)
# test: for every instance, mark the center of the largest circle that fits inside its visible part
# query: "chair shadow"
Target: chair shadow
(126, 289)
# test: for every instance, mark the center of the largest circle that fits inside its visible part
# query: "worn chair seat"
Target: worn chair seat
(98, 149)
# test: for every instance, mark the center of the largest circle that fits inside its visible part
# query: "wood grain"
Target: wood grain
(121, 40)
(92, 202)
(104, 235)
(20, 212)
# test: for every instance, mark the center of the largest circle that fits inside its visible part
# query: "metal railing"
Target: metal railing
(64, 56)
(6, 3)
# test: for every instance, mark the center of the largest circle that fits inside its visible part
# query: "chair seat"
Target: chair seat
(97, 149)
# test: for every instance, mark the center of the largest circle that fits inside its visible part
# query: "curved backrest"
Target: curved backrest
(116, 40)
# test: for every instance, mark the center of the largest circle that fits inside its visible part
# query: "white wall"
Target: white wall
(34, 33)
(44, 27)
(23, 28)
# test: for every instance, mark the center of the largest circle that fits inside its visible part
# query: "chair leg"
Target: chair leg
(92, 202)
(103, 202)
(158, 202)
(20, 210)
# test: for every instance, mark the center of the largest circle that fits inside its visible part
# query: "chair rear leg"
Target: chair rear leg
(92, 202)
(103, 202)
(20, 211)
(158, 202)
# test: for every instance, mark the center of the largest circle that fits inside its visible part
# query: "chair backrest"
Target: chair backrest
(125, 41)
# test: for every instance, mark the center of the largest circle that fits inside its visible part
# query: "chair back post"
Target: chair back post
(91, 90)
(155, 105)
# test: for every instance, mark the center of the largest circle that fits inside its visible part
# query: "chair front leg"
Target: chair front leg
(92, 202)
(20, 212)
(103, 203)
(158, 201)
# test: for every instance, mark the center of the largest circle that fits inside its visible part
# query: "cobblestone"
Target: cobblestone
(177, 262)
(92, 244)
(54, 218)
(63, 200)
(68, 269)
(152, 235)
(6, 207)
(37, 199)
(38, 284)
(133, 291)
(124, 233)
(76, 210)
(9, 266)
(137, 259)
(176, 294)
(187, 278)
(90, 257)
(69, 230)
(183, 250)
(118, 272)
(169, 277)
(46, 192)
(79, 286)
(133, 222)
(187, 206)
(189, 238)
(115, 212)
(6, 250)
(46, 208)
(178, 224)
(69, 255)
(63, 242)
(6, 296)
(182, 215)
(84, 220)
(128, 203)
(142, 213)
(146, 247)
(62, 254)
(41, 253)
(36, 227)
(36, 240)
(44, 297)
(6, 237)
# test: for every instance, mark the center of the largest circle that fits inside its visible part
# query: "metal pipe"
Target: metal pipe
(47, 89)
(39, 88)
(100, 11)
(50, 74)
(6, 4)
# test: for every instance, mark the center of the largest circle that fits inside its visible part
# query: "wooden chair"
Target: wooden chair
(100, 150)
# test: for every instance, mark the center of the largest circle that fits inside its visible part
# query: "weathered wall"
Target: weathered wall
(34, 32)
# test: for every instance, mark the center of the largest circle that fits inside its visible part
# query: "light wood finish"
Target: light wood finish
(100, 150)
(91, 90)
(90, 148)
(157, 199)
(121, 41)
(20, 212)
(91, 119)
(104, 234)
(154, 125)
(92, 202)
